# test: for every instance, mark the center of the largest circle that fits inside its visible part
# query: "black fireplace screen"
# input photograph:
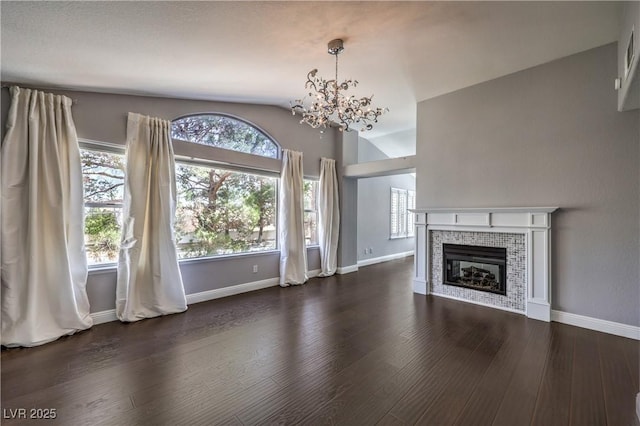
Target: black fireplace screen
(475, 267)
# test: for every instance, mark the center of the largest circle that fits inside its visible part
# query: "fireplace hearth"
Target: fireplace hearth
(475, 267)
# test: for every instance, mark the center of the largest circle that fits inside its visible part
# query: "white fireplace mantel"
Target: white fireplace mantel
(534, 222)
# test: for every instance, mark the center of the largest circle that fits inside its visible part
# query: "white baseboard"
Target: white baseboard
(478, 303)
(231, 290)
(104, 316)
(610, 327)
(374, 260)
(638, 405)
(110, 315)
(420, 286)
(540, 311)
(346, 269)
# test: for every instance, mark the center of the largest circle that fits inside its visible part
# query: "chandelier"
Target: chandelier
(330, 103)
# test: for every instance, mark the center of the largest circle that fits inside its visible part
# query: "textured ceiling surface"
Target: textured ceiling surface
(260, 52)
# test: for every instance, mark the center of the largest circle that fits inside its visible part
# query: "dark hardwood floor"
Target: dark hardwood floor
(352, 349)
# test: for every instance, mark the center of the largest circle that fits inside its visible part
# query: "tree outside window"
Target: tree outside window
(311, 212)
(218, 211)
(225, 132)
(223, 212)
(103, 180)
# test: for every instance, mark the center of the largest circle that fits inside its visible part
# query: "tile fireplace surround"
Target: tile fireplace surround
(528, 267)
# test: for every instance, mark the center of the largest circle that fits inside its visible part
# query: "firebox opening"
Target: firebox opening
(475, 267)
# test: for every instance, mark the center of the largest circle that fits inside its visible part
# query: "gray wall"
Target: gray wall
(398, 144)
(347, 147)
(103, 117)
(374, 204)
(548, 136)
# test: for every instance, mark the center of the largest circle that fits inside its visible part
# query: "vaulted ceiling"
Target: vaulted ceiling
(260, 52)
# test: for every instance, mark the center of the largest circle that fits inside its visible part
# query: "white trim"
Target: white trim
(341, 270)
(420, 286)
(502, 308)
(610, 327)
(488, 210)
(538, 310)
(536, 217)
(533, 222)
(467, 228)
(94, 145)
(387, 167)
(231, 290)
(104, 316)
(386, 258)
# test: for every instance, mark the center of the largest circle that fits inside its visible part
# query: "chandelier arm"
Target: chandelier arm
(330, 104)
(310, 84)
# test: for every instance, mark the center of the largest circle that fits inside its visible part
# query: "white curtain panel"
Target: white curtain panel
(149, 281)
(293, 252)
(328, 217)
(44, 264)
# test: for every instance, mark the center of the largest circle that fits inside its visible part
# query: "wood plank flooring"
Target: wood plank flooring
(348, 350)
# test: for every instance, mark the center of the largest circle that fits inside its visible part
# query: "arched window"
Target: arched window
(223, 131)
(222, 208)
(227, 208)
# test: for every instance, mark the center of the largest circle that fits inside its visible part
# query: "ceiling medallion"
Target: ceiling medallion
(329, 103)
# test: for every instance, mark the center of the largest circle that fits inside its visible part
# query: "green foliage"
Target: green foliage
(100, 222)
(218, 211)
(102, 232)
(222, 212)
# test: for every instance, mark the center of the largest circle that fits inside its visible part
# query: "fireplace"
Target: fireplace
(475, 267)
(525, 233)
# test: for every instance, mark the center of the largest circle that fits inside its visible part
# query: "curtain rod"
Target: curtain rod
(7, 86)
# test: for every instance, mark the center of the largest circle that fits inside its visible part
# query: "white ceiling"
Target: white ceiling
(260, 52)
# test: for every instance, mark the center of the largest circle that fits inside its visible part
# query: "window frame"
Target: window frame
(191, 153)
(263, 173)
(107, 148)
(411, 204)
(317, 185)
(405, 226)
(202, 155)
(232, 117)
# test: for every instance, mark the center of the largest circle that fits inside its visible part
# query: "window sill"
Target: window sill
(112, 267)
(103, 268)
(227, 256)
